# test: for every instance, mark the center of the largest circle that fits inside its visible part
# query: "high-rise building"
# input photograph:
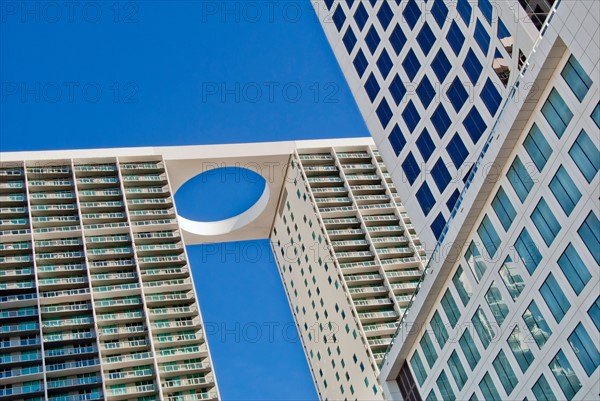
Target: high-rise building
(487, 115)
(97, 298)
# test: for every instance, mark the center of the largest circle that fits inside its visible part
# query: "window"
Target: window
(457, 370)
(361, 16)
(339, 17)
(441, 66)
(397, 39)
(411, 116)
(425, 198)
(440, 175)
(464, 9)
(349, 40)
(482, 37)
(384, 113)
(594, 313)
(426, 38)
(585, 349)
(428, 349)
(450, 308)
(545, 222)
(411, 13)
(444, 387)
(397, 89)
(486, 9)
(555, 298)
(452, 199)
(565, 375)
(455, 38)
(411, 64)
(411, 168)
(489, 236)
(491, 97)
(425, 91)
(469, 349)
(463, 285)
(586, 156)
(497, 305)
(488, 388)
(360, 63)
(482, 327)
(457, 151)
(537, 325)
(574, 269)
(505, 372)
(440, 120)
(385, 15)
(504, 210)
(474, 124)
(520, 349)
(440, 12)
(457, 94)
(472, 66)
(565, 190)
(510, 275)
(557, 113)
(384, 63)
(542, 391)
(475, 261)
(590, 234)
(576, 78)
(439, 329)
(537, 147)
(372, 39)
(425, 144)
(519, 179)
(372, 87)
(528, 251)
(431, 396)
(418, 368)
(437, 225)
(596, 115)
(397, 140)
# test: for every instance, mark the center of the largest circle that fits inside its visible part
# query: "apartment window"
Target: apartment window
(474, 124)
(463, 285)
(440, 12)
(486, 9)
(440, 175)
(411, 13)
(428, 349)
(426, 38)
(411, 116)
(397, 39)
(339, 17)
(557, 113)
(457, 151)
(497, 305)
(411, 64)
(489, 236)
(360, 63)
(537, 147)
(565, 191)
(565, 375)
(469, 349)
(452, 199)
(545, 222)
(397, 140)
(384, 113)
(482, 37)
(384, 63)
(457, 94)
(425, 144)
(520, 349)
(528, 251)
(519, 179)
(431, 396)
(372, 87)
(441, 66)
(385, 15)
(510, 275)
(411, 168)
(455, 38)
(491, 97)
(397, 89)
(537, 325)
(503, 208)
(542, 390)
(361, 16)
(596, 115)
(488, 389)
(576, 78)
(482, 327)
(437, 225)
(372, 39)
(464, 10)
(425, 198)
(349, 40)
(440, 120)
(456, 369)
(585, 349)
(590, 234)
(586, 156)
(450, 308)
(472, 66)
(475, 261)
(505, 372)
(418, 368)
(439, 329)
(425, 91)
(444, 387)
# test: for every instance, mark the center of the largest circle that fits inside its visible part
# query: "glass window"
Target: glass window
(411, 13)
(469, 349)
(503, 208)
(372, 39)
(425, 198)
(594, 313)
(557, 113)
(425, 91)
(457, 370)
(488, 388)
(425, 144)
(586, 156)
(565, 375)
(372, 87)
(497, 305)
(439, 329)
(482, 327)
(542, 391)
(384, 113)
(385, 15)
(360, 16)
(444, 387)
(565, 191)
(472, 66)
(475, 261)
(457, 151)
(441, 66)
(452, 199)
(457, 94)
(590, 234)
(428, 349)
(463, 285)
(411, 116)
(440, 175)
(440, 120)
(509, 272)
(545, 222)
(397, 140)
(464, 9)
(528, 251)
(486, 9)
(397, 39)
(519, 346)
(585, 349)
(411, 64)
(384, 63)
(505, 372)
(339, 17)
(537, 147)
(431, 396)
(482, 37)
(411, 168)
(349, 40)
(455, 38)
(474, 124)
(555, 298)
(537, 325)
(576, 77)
(519, 179)
(489, 236)
(596, 115)
(437, 225)
(397, 89)
(440, 12)
(360, 63)
(418, 368)
(491, 97)
(426, 39)
(450, 308)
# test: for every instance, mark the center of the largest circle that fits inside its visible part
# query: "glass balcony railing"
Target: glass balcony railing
(72, 365)
(30, 370)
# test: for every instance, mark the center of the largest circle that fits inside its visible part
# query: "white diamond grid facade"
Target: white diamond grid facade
(501, 186)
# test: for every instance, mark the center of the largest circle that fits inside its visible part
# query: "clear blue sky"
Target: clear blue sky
(145, 73)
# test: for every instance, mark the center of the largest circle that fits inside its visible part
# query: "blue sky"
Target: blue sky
(143, 73)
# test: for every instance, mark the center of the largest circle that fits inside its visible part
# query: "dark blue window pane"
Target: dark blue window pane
(372, 87)
(585, 348)
(457, 151)
(339, 17)
(489, 236)
(329, 3)
(586, 156)
(373, 2)
(385, 15)
(590, 234)
(411, 168)
(503, 31)
(574, 269)
(426, 39)
(384, 63)
(441, 175)
(397, 140)
(528, 251)
(452, 200)
(425, 145)
(425, 91)
(360, 63)
(519, 179)
(555, 298)
(361, 16)
(457, 94)
(397, 39)
(440, 12)
(537, 147)
(474, 125)
(545, 222)
(349, 40)
(594, 313)
(411, 116)
(464, 10)
(577, 78)
(437, 225)
(384, 113)
(565, 190)
(504, 209)
(482, 37)
(491, 97)
(441, 66)
(425, 198)
(557, 113)
(411, 64)
(486, 9)
(411, 13)
(440, 120)
(397, 89)
(372, 39)
(472, 67)
(455, 38)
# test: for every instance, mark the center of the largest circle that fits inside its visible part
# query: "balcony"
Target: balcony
(379, 290)
(74, 321)
(212, 395)
(20, 328)
(183, 383)
(162, 326)
(129, 345)
(129, 390)
(183, 367)
(77, 397)
(119, 359)
(133, 315)
(22, 390)
(168, 297)
(142, 166)
(130, 374)
(82, 381)
(62, 352)
(89, 168)
(107, 331)
(17, 372)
